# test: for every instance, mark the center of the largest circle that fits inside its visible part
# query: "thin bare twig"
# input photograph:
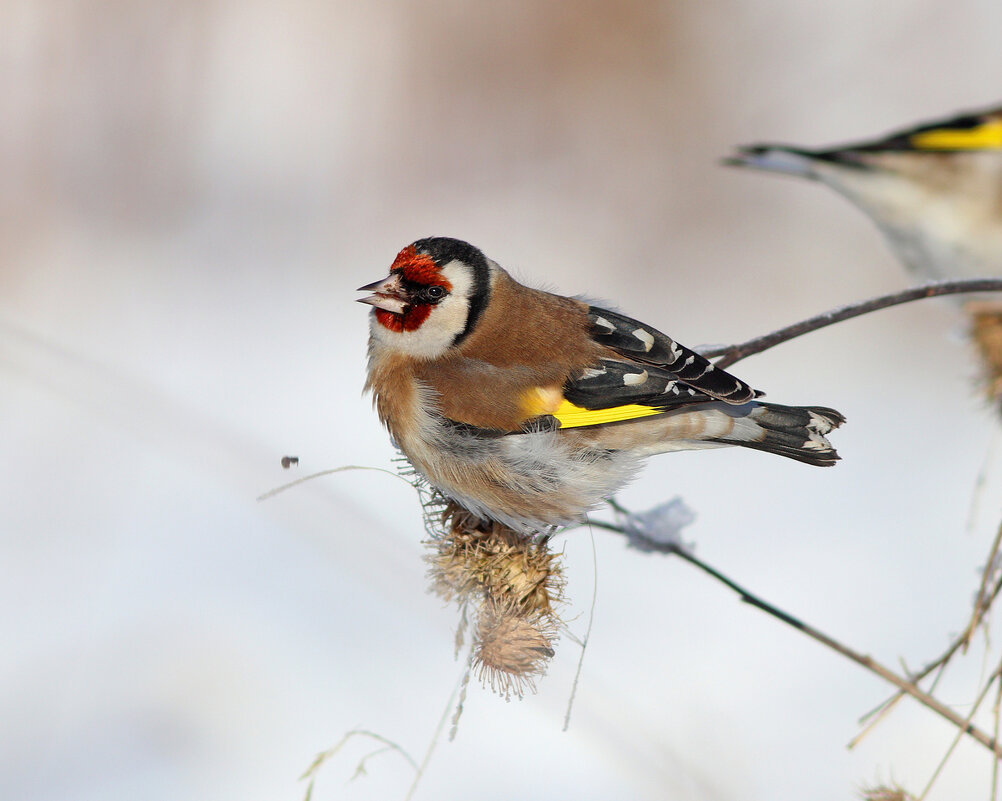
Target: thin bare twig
(734, 353)
(860, 659)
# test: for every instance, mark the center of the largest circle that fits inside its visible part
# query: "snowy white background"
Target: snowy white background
(190, 193)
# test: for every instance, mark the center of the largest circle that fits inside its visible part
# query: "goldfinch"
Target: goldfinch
(934, 190)
(530, 408)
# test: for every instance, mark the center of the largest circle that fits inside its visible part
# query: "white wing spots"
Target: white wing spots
(676, 352)
(690, 390)
(817, 441)
(819, 424)
(592, 372)
(604, 323)
(635, 379)
(689, 361)
(645, 337)
(670, 387)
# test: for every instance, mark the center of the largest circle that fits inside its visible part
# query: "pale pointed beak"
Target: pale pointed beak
(388, 294)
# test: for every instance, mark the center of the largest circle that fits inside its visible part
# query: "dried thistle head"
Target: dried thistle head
(512, 581)
(884, 793)
(473, 558)
(512, 650)
(986, 334)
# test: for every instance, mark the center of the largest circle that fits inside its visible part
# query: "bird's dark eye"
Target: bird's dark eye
(435, 292)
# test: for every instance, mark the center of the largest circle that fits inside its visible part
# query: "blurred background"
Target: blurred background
(190, 192)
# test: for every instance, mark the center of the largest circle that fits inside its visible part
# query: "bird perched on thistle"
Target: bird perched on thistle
(530, 408)
(935, 191)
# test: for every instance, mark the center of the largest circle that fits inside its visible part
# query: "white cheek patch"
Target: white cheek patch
(444, 323)
(461, 278)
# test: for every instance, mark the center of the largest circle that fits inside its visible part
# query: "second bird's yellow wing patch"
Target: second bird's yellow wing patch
(987, 136)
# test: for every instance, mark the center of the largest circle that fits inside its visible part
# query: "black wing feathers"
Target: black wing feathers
(616, 383)
(902, 139)
(656, 368)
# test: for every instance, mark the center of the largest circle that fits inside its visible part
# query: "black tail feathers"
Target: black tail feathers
(797, 432)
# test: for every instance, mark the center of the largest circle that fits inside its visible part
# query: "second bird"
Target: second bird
(935, 192)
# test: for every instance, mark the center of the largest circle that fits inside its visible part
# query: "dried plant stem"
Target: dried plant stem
(283, 487)
(949, 751)
(983, 602)
(388, 745)
(587, 637)
(984, 597)
(878, 713)
(995, 763)
(867, 662)
(459, 688)
(734, 353)
(323, 756)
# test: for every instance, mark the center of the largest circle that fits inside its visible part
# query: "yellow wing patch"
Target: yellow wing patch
(571, 416)
(541, 400)
(550, 400)
(987, 136)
